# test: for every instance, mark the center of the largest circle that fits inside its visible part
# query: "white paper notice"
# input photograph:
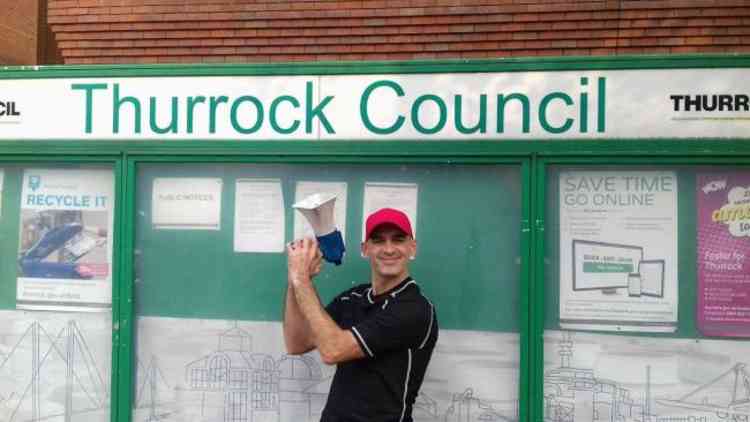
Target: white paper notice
(401, 196)
(258, 216)
(187, 203)
(304, 189)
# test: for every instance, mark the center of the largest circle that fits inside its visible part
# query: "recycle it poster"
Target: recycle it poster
(618, 250)
(723, 249)
(65, 243)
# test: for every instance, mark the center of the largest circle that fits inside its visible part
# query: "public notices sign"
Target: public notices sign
(723, 249)
(618, 250)
(65, 247)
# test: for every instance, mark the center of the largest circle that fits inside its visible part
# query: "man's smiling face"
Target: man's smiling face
(389, 250)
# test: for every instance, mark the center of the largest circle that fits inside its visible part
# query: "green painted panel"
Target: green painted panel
(9, 230)
(468, 232)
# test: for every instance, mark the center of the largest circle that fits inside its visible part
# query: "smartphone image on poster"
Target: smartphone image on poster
(634, 285)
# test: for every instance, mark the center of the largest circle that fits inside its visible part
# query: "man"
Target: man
(380, 335)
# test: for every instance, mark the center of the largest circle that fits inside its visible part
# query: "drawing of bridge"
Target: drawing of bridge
(37, 361)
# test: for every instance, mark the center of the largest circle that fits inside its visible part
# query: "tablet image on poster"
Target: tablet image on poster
(723, 249)
(618, 250)
(65, 244)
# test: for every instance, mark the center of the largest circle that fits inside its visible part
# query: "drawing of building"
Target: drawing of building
(577, 395)
(296, 375)
(465, 407)
(425, 407)
(236, 384)
(318, 397)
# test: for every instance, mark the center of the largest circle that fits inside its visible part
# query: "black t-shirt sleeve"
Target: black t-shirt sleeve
(402, 325)
(337, 308)
(334, 309)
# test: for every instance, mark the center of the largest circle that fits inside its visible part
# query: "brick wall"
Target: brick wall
(154, 31)
(18, 32)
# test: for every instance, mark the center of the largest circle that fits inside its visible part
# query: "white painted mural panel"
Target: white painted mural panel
(192, 370)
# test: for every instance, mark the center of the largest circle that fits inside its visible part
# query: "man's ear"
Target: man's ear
(363, 250)
(413, 250)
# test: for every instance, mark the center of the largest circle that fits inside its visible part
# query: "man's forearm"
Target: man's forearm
(297, 333)
(326, 334)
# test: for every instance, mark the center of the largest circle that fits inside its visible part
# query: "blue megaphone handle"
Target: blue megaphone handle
(332, 246)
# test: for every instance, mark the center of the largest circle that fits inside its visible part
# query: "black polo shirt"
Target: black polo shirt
(397, 331)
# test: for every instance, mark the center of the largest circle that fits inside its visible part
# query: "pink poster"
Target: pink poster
(723, 249)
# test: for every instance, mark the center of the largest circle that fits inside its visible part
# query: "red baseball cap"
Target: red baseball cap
(387, 216)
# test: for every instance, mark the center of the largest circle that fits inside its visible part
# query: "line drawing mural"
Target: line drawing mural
(465, 407)
(39, 364)
(217, 376)
(576, 393)
(733, 405)
(247, 381)
(147, 394)
(231, 381)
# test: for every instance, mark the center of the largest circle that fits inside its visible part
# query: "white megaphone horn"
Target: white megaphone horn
(318, 211)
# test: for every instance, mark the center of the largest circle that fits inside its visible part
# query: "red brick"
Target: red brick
(699, 40)
(603, 51)
(263, 30)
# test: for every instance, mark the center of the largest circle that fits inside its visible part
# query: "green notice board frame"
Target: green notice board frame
(533, 156)
(546, 240)
(387, 154)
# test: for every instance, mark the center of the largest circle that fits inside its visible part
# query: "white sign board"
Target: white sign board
(185, 203)
(580, 104)
(618, 250)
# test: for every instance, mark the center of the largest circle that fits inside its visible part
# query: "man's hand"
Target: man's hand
(304, 260)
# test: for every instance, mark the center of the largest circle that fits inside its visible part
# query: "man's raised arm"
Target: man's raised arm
(334, 344)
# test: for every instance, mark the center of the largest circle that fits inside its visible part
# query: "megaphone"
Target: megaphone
(318, 211)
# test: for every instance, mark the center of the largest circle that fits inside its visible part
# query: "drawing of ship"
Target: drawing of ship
(728, 396)
(577, 395)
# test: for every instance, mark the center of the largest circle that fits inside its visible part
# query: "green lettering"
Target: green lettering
(525, 105)
(173, 119)
(441, 119)
(274, 108)
(117, 102)
(364, 103)
(89, 88)
(213, 104)
(192, 102)
(481, 125)
(311, 113)
(258, 116)
(584, 115)
(543, 112)
(601, 108)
